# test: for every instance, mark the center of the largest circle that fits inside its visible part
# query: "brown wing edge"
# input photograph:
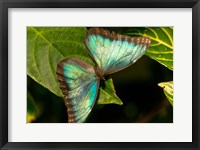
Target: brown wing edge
(64, 87)
(114, 36)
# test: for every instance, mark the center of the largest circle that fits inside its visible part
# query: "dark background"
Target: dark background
(143, 100)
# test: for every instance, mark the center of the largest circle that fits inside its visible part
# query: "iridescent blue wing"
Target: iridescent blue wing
(79, 85)
(113, 52)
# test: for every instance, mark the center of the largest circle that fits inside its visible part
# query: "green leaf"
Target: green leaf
(46, 46)
(107, 94)
(161, 47)
(168, 90)
(32, 109)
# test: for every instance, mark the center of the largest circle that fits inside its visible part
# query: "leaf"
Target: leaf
(46, 46)
(161, 47)
(107, 94)
(32, 109)
(168, 90)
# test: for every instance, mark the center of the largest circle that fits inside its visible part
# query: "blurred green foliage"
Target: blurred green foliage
(136, 86)
(32, 110)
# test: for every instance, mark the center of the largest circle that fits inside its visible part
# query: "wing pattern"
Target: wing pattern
(79, 85)
(113, 52)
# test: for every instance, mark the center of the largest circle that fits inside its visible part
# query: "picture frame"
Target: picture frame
(6, 4)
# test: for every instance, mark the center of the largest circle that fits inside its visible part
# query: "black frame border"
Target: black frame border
(6, 4)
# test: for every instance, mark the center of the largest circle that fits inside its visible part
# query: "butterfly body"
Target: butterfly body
(100, 73)
(79, 81)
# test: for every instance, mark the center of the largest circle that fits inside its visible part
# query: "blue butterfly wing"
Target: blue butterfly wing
(113, 52)
(79, 85)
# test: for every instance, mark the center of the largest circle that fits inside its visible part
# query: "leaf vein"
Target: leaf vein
(51, 69)
(163, 59)
(168, 35)
(40, 34)
(34, 58)
(158, 52)
(108, 94)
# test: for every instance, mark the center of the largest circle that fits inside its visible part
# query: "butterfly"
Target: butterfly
(80, 81)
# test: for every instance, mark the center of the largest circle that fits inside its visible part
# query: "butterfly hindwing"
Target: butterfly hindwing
(113, 52)
(79, 85)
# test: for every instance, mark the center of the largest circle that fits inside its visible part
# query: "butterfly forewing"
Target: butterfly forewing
(113, 52)
(79, 85)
